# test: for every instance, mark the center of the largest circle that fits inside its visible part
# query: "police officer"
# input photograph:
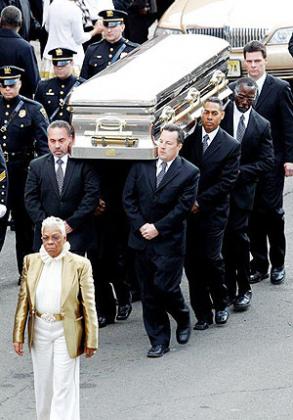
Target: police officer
(113, 47)
(3, 186)
(53, 93)
(23, 125)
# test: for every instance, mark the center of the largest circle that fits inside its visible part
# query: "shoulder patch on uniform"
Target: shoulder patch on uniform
(131, 44)
(2, 176)
(43, 112)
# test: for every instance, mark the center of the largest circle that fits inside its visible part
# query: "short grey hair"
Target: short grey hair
(54, 221)
(62, 124)
(11, 16)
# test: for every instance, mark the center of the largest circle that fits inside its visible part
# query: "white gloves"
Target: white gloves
(3, 210)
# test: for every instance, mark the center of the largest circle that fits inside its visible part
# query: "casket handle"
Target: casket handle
(110, 124)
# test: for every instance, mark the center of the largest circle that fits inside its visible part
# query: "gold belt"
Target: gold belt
(46, 316)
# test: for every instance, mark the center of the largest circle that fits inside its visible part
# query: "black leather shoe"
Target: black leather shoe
(202, 325)
(221, 317)
(278, 275)
(103, 321)
(242, 302)
(158, 350)
(257, 276)
(183, 334)
(123, 312)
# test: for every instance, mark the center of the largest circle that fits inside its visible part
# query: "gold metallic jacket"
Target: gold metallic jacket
(77, 302)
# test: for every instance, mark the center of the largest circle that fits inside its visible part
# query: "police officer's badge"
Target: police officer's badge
(22, 113)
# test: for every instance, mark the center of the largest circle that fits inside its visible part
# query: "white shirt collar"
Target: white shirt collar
(260, 82)
(211, 135)
(159, 162)
(63, 158)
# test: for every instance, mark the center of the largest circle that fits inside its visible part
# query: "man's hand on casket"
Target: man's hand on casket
(148, 231)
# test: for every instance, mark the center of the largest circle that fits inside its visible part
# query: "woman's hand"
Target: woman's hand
(18, 348)
(89, 352)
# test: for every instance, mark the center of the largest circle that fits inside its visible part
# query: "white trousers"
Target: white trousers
(56, 375)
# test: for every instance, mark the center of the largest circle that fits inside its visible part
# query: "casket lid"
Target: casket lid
(159, 65)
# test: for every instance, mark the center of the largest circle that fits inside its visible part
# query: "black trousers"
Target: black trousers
(108, 253)
(236, 248)
(204, 265)
(267, 222)
(160, 278)
(17, 172)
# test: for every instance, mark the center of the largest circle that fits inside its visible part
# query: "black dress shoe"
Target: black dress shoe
(202, 325)
(278, 275)
(242, 302)
(158, 350)
(103, 321)
(183, 334)
(123, 312)
(257, 276)
(221, 317)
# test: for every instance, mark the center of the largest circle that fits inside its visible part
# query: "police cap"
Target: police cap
(112, 17)
(61, 56)
(9, 75)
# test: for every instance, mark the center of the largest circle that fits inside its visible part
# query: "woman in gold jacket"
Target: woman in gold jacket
(57, 294)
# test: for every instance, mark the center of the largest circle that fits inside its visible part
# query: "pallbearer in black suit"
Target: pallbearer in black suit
(102, 54)
(23, 134)
(54, 93)
(63, 187)
(3, 186)
(275, 103)
(254, 134)
(158, 196)
(217, 154)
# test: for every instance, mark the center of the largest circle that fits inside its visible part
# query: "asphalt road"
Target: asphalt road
(241, 371)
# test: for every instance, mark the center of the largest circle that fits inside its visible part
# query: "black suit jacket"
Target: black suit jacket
(166, 206)
(257, 156)
(219, 167)
(18, 52)
(275, 103)
(79, 198)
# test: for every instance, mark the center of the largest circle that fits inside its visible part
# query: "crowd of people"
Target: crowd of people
(89, 243)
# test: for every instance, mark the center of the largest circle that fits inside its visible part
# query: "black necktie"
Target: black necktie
(60, 175)
(162, 172)
(205, 143)
(240, 129)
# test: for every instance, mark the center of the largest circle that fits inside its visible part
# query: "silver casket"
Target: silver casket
(118, 114)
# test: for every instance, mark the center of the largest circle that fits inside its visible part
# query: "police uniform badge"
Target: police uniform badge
(58, 52)
(109, 13)
(7, 70)
(22, 113)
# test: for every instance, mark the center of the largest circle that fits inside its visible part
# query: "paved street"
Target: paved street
(242, 371)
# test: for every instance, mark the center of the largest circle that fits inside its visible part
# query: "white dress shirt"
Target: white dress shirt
(236, 117)
(63, 22)
(211, 135)
(64, 166)
(159, 167)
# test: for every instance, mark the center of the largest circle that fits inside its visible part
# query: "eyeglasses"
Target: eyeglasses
(54, 238)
